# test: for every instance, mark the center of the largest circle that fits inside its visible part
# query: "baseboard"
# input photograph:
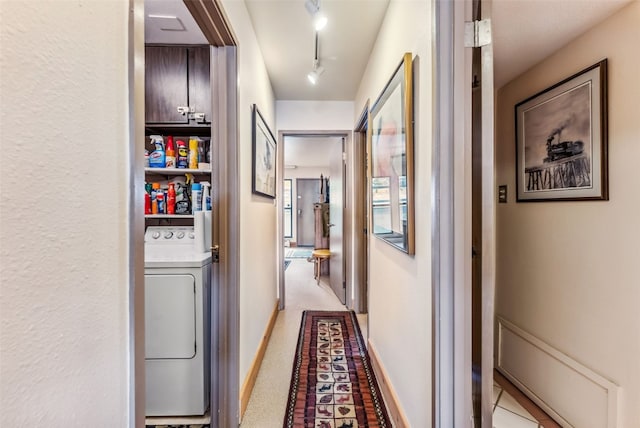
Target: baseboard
(250, 380)
(570, 392)
(398, 418)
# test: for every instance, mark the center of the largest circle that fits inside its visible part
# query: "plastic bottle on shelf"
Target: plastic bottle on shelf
(171, 154)
(161, 202)
(155, 190)
(171, 199)
(193, 153)
(206, 195)
(196, 197)
(147, 198)
(157, 158)
(182, 160)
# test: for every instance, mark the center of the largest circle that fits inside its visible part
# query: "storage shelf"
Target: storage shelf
(187, 216)
(184, 130)
(176, 171)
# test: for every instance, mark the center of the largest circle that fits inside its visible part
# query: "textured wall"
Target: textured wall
(63, 230)
(399, 291)
(567, 272)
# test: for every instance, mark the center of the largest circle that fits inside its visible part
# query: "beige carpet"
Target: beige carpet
(269, 398)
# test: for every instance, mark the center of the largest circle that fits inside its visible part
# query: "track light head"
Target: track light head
(312, 6)
(314, 75)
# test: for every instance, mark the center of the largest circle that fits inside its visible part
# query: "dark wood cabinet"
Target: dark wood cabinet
(177, 85)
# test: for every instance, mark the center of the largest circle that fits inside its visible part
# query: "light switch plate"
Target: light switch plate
(502, 194)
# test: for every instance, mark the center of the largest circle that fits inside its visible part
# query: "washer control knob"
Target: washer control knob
(155, 235)
(192, 235)
(180, 235)
(168, 235)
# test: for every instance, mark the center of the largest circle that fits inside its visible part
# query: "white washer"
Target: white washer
(177, 283)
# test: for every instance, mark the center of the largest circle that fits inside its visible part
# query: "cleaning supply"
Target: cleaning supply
(157, 158)
(155, 189)
(182, 159)
(193, 153)
(147, 198)
(171, 199)
(206, 196)
(196, 197)
(160, 201)
(171, 154)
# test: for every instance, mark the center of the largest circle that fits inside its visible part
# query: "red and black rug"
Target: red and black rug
(333, 384)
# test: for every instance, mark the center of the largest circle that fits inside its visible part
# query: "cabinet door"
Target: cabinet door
(166, 86)
(199, 78)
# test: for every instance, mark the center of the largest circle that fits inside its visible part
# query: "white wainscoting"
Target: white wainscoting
(574, 395)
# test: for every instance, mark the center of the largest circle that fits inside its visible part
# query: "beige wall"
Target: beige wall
(568, 272)
(399, 285)
(257, 214)
(64, 260)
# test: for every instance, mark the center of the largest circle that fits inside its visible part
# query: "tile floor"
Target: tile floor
(512, 409)
(508, 413)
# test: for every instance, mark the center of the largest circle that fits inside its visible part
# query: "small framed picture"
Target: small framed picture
(264, 157)
(561, 140)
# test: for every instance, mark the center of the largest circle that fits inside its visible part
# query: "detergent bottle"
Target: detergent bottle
(171, 154)
(157, 158)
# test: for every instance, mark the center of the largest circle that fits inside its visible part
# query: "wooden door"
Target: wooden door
(336, 212)
(166, 84)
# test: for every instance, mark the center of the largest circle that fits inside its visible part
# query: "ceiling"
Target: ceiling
(524, 33)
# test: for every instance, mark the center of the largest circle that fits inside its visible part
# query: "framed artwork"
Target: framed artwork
(561, 140)
(391, 148)
(263, 180)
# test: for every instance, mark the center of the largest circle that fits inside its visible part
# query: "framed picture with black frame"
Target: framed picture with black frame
(263, 181)
(561, 140)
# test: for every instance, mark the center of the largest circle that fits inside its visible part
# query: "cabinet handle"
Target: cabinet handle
(183, 110)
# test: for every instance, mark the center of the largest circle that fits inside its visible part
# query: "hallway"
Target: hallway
(269, 398)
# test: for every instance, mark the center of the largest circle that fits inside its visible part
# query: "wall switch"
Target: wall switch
(502, 194)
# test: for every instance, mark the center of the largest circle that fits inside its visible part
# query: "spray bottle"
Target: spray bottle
(157, 158)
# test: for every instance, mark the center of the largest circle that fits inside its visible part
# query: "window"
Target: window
(288, 219)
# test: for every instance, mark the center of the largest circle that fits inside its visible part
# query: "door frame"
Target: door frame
(348, 209)
(451, 214)
(225, 379)
(361, 213)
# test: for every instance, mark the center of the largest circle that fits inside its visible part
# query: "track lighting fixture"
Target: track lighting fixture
(317, 68)
(319, 19)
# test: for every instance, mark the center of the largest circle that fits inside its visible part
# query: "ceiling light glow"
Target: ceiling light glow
(320, 22)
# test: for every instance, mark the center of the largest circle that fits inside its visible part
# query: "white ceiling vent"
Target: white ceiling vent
(167, 23)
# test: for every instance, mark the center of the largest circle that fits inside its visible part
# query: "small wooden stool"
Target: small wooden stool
(318, 257)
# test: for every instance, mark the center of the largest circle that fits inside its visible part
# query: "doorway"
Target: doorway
(306, 158)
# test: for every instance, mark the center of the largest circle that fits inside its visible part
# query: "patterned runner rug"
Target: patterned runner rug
(332, 384)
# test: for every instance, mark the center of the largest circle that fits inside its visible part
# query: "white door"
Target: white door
(336, 208)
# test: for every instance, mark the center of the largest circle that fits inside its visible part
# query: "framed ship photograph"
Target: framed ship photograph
(561, 140)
